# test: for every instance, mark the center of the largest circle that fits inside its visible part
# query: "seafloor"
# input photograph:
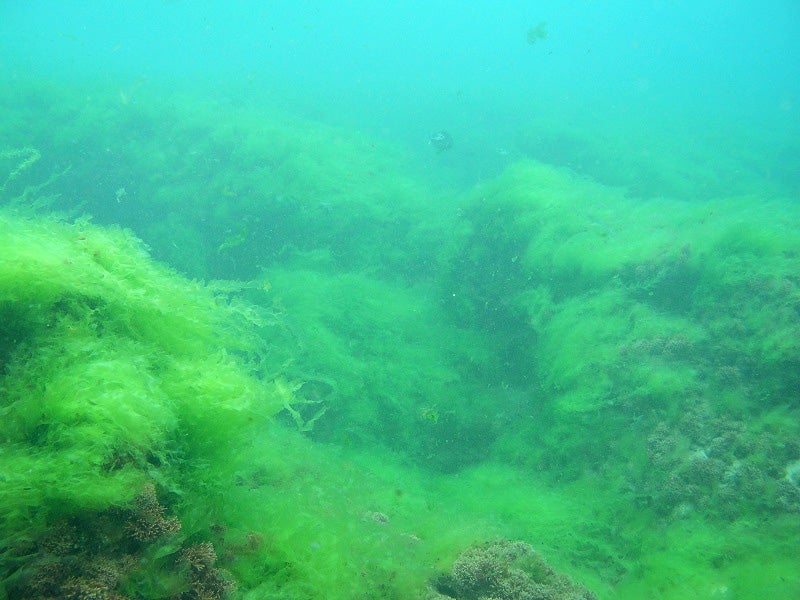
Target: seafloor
(244, 354)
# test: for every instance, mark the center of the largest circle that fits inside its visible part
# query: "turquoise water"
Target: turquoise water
(645, 79)
(264, 335)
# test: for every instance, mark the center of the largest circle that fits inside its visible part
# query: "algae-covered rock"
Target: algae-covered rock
(505, 570)
(116, 374)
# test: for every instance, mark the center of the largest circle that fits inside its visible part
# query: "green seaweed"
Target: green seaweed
(382, 375)
(115, 374)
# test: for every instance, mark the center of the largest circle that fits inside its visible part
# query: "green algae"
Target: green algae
(611, 379)
(293, 184)
(20, 159)
(115, 374)
(351, 356)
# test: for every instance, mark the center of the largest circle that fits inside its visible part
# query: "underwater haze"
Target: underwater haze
(644, 77)
(415, 300)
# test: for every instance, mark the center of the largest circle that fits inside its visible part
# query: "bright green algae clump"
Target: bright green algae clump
(115, 373)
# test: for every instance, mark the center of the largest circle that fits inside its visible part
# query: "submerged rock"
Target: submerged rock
(504, 570)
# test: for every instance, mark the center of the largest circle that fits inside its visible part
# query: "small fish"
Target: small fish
(429, 414)
(441, 141)
(233, 240)
(537, 33)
